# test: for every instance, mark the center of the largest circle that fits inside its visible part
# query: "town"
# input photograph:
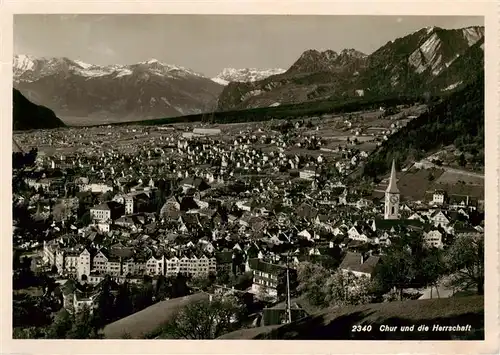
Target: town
(265, 217)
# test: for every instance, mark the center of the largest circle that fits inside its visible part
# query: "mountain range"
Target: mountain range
(429, 61)
(147, 89)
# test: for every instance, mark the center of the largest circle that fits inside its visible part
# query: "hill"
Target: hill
(26, 115)
(457, 119)
(147, 321)
(428, 61)
(337, 324)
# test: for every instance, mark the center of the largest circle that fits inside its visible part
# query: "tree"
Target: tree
(86, 219)
(62, 324)
(223, 277)
(103, 313)
(430, 268)
(397, 270)
(204, 319)
(461, 160)
(123, 303)
(465, 259)
(345, 288)
(83, 326)
(311, 278)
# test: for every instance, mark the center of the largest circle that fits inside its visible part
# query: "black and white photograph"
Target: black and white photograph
(248, 176)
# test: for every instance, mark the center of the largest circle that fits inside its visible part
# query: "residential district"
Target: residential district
(198, 212)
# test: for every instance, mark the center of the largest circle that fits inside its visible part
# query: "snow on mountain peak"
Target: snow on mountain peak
(24, 62)
(30, 68)
(83, 64)
(228, 75)
(151, 61)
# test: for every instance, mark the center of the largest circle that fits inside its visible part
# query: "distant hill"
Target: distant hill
(457, 119)
(429, 61)
(337, 324)
(26, 115)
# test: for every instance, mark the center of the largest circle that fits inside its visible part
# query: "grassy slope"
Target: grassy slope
(336, 324)
(139, 324)
(26, 115)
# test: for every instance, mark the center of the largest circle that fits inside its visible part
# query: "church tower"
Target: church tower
(392, 196)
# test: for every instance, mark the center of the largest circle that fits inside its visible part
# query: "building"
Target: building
(67, 261)
(439, 197)
(206, 131)
(439, 218)
(107, 211)
(356, 264)
(434, 238)
(392, 196)
(308, 174)
(49, 252)
(84, 265)
(129, 204)
(269, 279)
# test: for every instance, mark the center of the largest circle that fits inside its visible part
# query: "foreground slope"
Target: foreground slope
(142, 323)
(337, 324)
(26, 115)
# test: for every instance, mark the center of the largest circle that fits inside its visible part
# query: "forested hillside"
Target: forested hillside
(457, 119)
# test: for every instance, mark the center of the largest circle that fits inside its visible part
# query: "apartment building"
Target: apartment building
(104, 262)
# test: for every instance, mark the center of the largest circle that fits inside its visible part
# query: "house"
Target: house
(308, 174)
(355, 263)
(439, 197)
(439, 218)
(107, 211)
(67, 261)
(306, 211)
(84, 265)
(460, 201)
(268, 279)
(197, 183)
(434, 238)
(278, 313)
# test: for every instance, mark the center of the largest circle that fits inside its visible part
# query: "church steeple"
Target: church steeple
(392, 196)
(393, 187)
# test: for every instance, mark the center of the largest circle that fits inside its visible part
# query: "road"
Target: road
(428, 164)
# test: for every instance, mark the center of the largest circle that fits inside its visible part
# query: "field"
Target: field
(456, 177)
(419, 184)
(333, 129)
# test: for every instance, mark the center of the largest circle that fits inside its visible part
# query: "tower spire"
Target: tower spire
(392, 187)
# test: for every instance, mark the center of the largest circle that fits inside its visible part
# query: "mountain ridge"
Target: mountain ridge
(407, 65)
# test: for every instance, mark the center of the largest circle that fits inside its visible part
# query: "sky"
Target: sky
(209, 43)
